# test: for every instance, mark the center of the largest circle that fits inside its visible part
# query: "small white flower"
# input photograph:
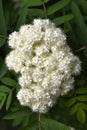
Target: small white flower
(46, 64)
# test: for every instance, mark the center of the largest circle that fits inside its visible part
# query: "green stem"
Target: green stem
(45, 10)
(39, 119)
(81, 49)
(4, 37)
(64, 15)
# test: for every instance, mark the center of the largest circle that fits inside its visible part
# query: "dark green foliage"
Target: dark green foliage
(22, 17)
(57, 6)
(3, 28)
(33, 3)
(77, 103)
(3, 68)
(62, 19)
(51, 124)
(9, 98)
(8, 81)
(83, 4)
(71, 16)
(79, 21)
(4, 89)
(81, 115)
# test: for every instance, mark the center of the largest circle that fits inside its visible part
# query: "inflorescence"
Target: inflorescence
(46, 64)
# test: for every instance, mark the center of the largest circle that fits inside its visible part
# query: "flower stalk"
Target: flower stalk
(4, 37)
(81, 49)
(44, 7)
(39, 120)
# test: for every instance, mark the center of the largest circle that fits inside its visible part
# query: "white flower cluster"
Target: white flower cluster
(46, 64)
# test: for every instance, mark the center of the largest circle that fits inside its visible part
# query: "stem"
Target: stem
(4, 37)
(81, 49)
(45, 10)
(39, 117)
(64, 15)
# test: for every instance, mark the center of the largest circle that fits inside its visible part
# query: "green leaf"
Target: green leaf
(34, 2)
(31, 127)
(7, 15)
(81, 90)
(33, 123)
(63, 19)
(2, 94)
(73, 109)
(9, 99)
(13, 16)
(4, 88)
(70, 102)
(83, 106)
(79, 20)
(81, 116)
(36, 12)
(84, 5)
(22, 17)
(23, 120)
(2, 101)
(3, 68)
(18, 121)
(8, 81)
(3, 30)
(49, 124)
(2, 19)
(2, 41)
(57, 6)
(80, 82)
(82, 98)
(26, 121)
(17, 114)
